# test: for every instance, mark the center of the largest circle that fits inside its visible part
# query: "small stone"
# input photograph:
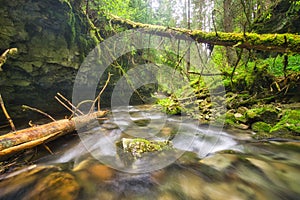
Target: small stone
(243, 126)
(238, 115)
(242, 109)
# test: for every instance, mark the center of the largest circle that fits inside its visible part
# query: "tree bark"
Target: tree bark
(33, 136)
(228, 28)
(284, 43)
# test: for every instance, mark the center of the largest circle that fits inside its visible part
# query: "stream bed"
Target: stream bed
(206, 163)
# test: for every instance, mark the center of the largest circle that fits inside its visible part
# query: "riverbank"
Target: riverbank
(266, 112)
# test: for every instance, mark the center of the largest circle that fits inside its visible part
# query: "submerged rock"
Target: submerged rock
(57, 185)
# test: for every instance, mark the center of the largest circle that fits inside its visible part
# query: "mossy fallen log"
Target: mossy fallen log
(283, 43)
(36, 135)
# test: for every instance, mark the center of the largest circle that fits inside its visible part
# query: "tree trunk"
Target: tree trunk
(284, 43)
(33, 136)
(228, 28)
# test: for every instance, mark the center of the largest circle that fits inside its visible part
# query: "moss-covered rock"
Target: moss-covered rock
(289, 123)
(267, 114)
(170, 106)
(232, 119)
(261, 127)
(138, 146)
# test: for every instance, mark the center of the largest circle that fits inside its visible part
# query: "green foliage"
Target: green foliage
(275, 65)
(252, 72)
(295, 6)
(169, 106)
(261, 127)
(137, 10)
(120, 8)
(290, 121)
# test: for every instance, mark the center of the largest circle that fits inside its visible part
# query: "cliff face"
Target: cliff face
(283, 17)
(52, 39)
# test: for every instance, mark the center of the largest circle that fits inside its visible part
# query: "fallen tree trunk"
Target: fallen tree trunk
(33, 136)
(283, 43)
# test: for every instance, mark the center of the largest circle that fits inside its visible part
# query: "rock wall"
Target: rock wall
(283, 17)
(52, 39)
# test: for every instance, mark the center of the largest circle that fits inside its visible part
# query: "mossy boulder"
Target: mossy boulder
(138, 146)
(170, 106)
(234, 120)
(289, 123)
(261, 127)
(287, 127)
(267, 114)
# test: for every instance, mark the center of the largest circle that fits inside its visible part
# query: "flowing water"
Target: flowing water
(206, 163)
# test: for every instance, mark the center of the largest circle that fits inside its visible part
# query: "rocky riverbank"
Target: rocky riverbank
(267, 117)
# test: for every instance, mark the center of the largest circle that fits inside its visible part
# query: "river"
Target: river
(204, 163)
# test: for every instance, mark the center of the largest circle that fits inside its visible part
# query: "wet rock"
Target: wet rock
(240, 117)
(57, 185)
(24, 178)
(281, 174)
(136, 147)
(100, 172)
(242, 110)
(235, 120)
(243, 126)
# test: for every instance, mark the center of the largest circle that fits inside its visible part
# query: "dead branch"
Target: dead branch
(36, 135)
(39, 111)
(208, 74)
(7, 115)
(33, 136)
(4, 55)
(97, 99)
(65, 99)
(64, 105)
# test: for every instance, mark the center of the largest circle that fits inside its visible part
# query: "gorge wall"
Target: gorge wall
(52, 39)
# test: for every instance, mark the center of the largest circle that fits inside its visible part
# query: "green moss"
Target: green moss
(170, 106)
(261, 127)
(290, 122)
(262, 135)
(241, 118)
(230, 119)
(267, 114)
(287, 127)
(253, 113)
(21, 83)
(72, 27)
(136, 147)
